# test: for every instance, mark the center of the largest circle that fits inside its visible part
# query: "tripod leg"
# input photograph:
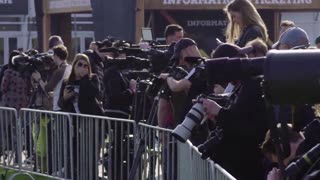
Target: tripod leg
(137, 160)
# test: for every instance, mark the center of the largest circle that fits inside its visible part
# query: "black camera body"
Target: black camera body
(130, 62)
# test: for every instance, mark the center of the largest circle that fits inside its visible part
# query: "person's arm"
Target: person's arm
(52, 83)
(178, 85)
(183, 84)
(65, 96)
(54, 80)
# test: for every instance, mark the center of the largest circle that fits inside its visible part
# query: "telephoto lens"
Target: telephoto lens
(183, 131)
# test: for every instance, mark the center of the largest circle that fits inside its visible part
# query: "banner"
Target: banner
(220, 4)
(204, 26)
(67, 6)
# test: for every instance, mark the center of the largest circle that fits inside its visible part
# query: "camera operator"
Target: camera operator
(119, 92)
(244, 124)
(173, 33)
(60, 55)
(16, 84)
(96, 60)
(161, 59)
(300, 143)
(5, 67)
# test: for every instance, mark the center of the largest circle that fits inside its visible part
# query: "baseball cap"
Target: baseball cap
(180, 45)
(293, 37)
(230, 50)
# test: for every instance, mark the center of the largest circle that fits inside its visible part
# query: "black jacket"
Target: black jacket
(118, 96)
(244, 125)
(97, 68)
(88, 104)
(250, 33)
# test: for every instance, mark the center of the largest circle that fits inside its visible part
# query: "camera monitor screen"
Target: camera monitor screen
(147, 34)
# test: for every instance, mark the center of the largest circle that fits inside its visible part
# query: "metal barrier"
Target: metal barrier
(45, 143)
(158, 153)
(102, 147)
(76, 146)
(192, 166)
(8, 138)
(221, 174)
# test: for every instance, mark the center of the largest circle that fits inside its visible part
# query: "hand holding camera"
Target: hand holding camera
(68, 92)
(211, 108)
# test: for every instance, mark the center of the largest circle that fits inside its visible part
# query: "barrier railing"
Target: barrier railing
(76, 146)
(45, 143)
(8, 138)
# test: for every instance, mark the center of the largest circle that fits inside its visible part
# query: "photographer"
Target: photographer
(300, 143)
(244, 124)
(5, 67)
(60, 55)
(191, 85)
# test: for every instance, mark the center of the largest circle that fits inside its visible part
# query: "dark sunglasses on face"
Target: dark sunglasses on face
(80, 64)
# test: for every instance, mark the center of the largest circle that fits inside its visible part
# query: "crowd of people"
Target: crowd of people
(88, 86)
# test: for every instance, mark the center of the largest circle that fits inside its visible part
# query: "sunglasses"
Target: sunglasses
(80, 64)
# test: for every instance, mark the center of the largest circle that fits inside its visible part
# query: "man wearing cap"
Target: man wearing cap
(293, 38)
(299, 115)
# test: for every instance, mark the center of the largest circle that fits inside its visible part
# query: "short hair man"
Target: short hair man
(60, 55)
(173, 33)
(54, 41)
(286, 24)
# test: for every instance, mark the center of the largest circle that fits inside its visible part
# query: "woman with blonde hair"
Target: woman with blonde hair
(79, 91)
(245, 23)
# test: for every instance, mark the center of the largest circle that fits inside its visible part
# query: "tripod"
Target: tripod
(141, 141)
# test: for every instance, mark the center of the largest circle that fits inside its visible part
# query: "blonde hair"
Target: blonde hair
(250, 16)
(78, 57)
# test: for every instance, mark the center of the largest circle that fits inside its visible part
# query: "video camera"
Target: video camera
(32, 60)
